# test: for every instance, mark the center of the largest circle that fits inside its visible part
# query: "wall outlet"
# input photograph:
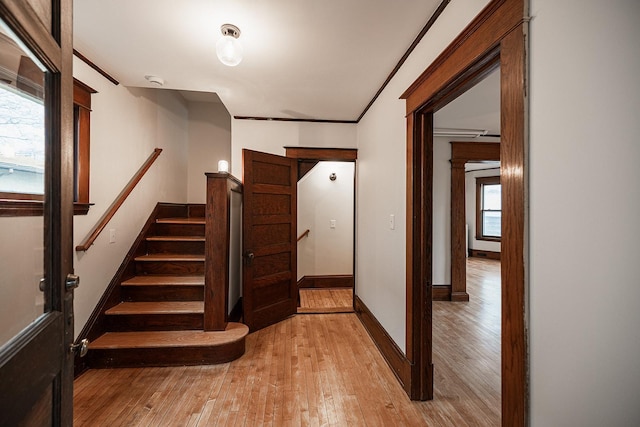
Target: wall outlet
(392, 222)
(112, 235)
(332, 223)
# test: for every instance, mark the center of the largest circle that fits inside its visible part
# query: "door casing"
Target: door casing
(500, 30)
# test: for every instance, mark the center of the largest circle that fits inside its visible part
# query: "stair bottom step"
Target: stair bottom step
(167, 348)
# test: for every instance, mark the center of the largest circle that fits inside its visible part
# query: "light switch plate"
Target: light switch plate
(392, 222)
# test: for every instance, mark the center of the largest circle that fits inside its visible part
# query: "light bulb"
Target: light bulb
(229, 50)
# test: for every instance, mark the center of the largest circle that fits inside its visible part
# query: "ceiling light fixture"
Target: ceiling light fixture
(229, 48)
(460, 133)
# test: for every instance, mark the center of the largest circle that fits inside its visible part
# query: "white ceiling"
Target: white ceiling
(477, 108)
(302, 58)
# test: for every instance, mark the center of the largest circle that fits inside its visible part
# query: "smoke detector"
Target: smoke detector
(155, 80)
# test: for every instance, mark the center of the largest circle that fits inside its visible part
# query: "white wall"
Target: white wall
(209, 141)
(584, 213)
(441, 268)
(470, 206)
(126, 125)
(380, 263)
(272, 136)
(326, 250)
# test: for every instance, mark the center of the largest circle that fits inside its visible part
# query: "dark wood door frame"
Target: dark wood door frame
(461, 153)
(36, 365)
(310, 156)
(499, 31)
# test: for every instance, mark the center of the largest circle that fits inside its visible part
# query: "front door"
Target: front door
(270, 289)
(36, 208)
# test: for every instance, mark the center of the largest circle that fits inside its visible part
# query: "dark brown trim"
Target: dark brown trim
(95, 67)
(322, 154)
(484, 254)
(291, 119)
(441, 293)
(500, 25)
(461, 153)
(91, 238)
(391, 75)
(419, 247)
(475, 151)
(404, 57)
(396, 360)
(327, 281)
(12, 208)
(82, 94)
(82, 140)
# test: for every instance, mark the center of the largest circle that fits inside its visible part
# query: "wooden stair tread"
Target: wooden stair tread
(169, 257)
(157, 307)
(156, 280)
(195, 220)
(163, 339)
(175, 239)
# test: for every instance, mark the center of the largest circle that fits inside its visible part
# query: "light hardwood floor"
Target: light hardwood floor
(317, 370)
(332, 300)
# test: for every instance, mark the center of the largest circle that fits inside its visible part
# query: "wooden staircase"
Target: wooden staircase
(154, 315)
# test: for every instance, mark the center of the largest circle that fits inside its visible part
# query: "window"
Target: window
(22, 124)
(22, 141)
(488, 208)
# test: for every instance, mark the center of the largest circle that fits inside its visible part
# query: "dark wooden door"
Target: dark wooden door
(36, 366)
(269, 238)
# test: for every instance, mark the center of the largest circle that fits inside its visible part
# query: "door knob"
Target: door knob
(249, 257)
(81, 348)
(72, 281)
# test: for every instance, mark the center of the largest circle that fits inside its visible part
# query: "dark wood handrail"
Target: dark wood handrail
(305, 234)
(91, 238)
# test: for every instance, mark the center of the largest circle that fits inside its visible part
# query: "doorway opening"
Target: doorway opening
(325, 238)
(326, 203)
(495, 38)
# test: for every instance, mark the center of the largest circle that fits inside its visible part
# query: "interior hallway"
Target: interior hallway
(317, 370)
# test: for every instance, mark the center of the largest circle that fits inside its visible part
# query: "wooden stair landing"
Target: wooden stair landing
(158, 318)
(168, 348)
(154, 339)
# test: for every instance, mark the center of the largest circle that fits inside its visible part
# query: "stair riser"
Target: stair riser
(179, 229)
(155, 322)
(163, 247)
(197, 211)
(169, 267)
(141, 357)
(163, 293)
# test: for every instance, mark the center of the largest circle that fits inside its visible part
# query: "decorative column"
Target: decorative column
(458, 235)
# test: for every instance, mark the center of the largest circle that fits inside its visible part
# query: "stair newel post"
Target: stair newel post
(217, 249)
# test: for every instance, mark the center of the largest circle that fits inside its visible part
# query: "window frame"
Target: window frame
(82, 142)
(480, 183)
(22, 204)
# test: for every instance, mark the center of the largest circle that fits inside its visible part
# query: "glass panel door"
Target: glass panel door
(22, 169)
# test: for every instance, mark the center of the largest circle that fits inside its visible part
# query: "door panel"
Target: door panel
(269, 238)
(36, 215)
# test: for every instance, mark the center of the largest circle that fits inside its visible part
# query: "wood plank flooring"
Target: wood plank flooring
(326, 300)
(317, 370)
